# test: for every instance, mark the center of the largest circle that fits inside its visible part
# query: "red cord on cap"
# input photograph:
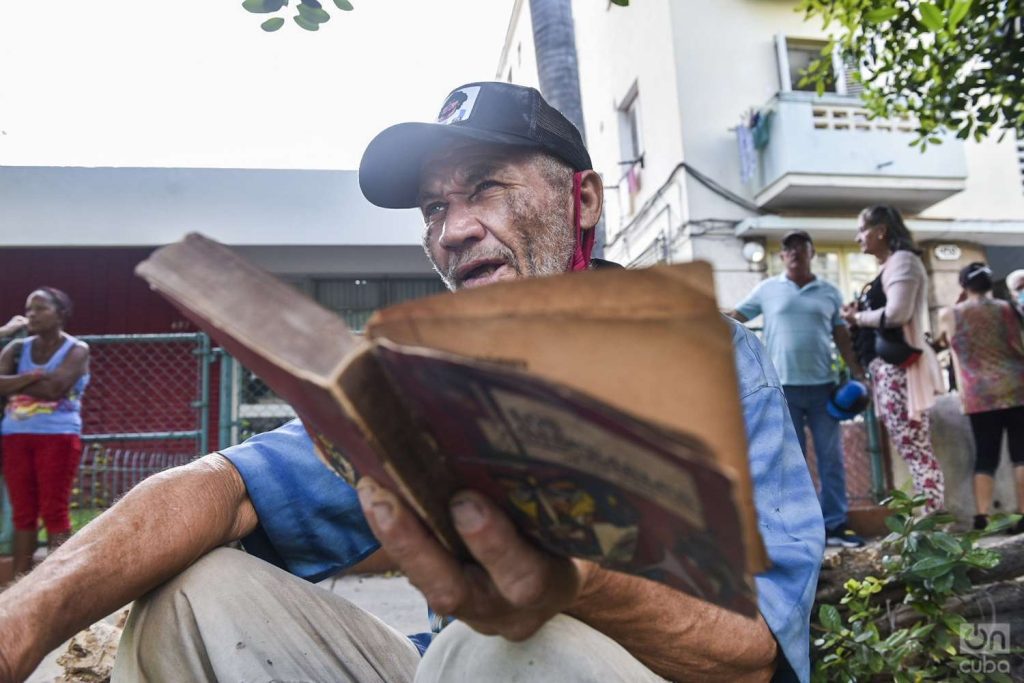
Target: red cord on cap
(584, 240)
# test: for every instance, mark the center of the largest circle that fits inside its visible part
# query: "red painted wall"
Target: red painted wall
(108, 297)
(135, 388)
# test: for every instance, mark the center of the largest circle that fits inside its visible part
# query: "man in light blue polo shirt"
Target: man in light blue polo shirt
(801, 322)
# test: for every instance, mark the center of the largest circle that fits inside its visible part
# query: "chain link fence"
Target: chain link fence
(247, 405)
(146, 409)
(154, 401)
(866, 480)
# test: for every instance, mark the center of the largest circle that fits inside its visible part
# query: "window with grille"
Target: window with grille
(631, 149)
(257, 409)
(355, 299)
(631, 140)
(795, 56)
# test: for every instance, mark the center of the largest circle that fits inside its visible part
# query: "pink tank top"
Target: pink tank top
(988, 346)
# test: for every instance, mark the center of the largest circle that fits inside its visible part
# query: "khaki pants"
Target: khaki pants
(232, 617)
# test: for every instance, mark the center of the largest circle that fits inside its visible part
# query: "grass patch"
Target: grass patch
(79, 518)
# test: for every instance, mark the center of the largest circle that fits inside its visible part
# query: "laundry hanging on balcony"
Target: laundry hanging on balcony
(760, 127)
(748, 155)
(633, 179)
(752, 135)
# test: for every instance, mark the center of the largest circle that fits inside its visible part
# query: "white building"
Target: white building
(313, 228)
(665, 86)
(666, 83)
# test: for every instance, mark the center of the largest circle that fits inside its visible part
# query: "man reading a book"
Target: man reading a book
(507, 191)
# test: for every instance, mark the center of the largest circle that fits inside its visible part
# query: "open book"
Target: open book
(598, 409)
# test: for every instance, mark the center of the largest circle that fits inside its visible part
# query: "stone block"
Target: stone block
(953, 444)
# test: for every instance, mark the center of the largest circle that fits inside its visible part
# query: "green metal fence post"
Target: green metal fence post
(203, 404)
(6, 522)
(224, 423)
(875, 454)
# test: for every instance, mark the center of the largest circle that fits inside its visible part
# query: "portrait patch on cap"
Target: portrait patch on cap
(459, 105)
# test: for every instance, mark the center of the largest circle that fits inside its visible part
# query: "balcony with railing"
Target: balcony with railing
(824, 152)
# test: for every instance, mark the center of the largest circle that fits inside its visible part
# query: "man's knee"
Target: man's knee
(565, 649)
(164, 630)
(461, 654)
(214, 574)
(212, 579)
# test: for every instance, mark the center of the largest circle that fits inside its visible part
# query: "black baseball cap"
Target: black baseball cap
(796, 235)
(502, 113)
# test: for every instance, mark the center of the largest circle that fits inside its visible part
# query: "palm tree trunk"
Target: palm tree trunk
(554, 40)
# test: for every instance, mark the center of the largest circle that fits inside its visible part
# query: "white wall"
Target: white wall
(340, 260)
(725, 51)
(57, 206)
(994, 188)
(722, 62)
(620, 48)
(519, 54)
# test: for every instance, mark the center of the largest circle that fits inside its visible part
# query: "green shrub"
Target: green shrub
(850, 642)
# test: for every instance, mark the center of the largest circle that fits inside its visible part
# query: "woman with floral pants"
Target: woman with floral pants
(906, 382)
(910, 437)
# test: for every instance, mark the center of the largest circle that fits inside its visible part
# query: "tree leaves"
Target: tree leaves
(309, 16)
(272, 24)
(931, 567)
(931, 564)
(957, 13)
(262, 6)
(932, 17)
(881, 14)
(313, 14)
(947, 65)
(306, 23)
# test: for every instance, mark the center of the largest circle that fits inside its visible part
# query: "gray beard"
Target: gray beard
(548, 249)
(497, 253)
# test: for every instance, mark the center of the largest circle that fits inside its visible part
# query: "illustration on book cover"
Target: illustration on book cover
(580, 477)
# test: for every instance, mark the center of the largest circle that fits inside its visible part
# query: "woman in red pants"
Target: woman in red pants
(43, 377)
